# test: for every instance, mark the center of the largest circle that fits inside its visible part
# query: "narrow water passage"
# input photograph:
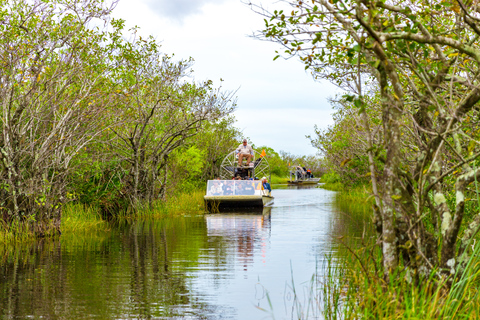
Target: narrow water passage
(217, 266)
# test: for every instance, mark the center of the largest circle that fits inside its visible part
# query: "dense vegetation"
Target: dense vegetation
(94, 114)
(90, 116)
(408, 124)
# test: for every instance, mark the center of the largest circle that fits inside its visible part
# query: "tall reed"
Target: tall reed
(78, 217)
(342, 290)
(279, 180)
(350, 285)
(15, 231)
(176, 205)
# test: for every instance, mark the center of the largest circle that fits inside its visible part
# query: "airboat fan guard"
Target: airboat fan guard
(229, 166)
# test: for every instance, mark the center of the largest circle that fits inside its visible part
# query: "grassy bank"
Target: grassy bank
(354, 290)
(182, 204)
(357, 198)
(279, 180)
(78, 218)
(332, 186)
(354, 286)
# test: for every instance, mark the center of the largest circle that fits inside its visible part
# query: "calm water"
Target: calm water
(218, 266)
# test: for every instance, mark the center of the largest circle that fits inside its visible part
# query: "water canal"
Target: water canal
(218, 266)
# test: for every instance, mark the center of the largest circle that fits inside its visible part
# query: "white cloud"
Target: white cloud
(178, 9)
(271, 93)
(283, 129)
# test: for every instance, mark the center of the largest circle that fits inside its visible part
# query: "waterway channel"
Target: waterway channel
(215, 266)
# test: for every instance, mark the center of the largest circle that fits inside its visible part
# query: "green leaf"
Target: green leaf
(358, 103)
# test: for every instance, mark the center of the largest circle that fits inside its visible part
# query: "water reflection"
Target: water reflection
(214, 266)
(246, 232)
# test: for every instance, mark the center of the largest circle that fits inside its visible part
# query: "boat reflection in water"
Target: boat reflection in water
(247, 232)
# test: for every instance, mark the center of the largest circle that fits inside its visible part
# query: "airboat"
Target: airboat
(299, 176)
(239, 186)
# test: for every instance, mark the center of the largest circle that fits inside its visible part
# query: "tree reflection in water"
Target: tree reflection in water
(199, 267)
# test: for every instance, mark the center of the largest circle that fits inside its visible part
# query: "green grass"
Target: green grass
(78, 218)
(279, 180)
(366, 296)
(353, 286)
(177, 205)
(332, 186)
(15, 232)
(75, 218)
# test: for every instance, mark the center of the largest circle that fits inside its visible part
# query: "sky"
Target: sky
(278, 102)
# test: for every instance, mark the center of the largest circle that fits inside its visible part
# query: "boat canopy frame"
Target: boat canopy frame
(229, 167)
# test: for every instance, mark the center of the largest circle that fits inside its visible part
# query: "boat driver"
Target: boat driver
(244, 151)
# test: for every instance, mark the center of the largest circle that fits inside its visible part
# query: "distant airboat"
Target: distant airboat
(301, 176)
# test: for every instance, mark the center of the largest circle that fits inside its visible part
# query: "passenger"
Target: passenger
(249, 188)
(239, 190)
(244, 150)
(266, 186)
(300, 172)
(228, 188)
(216, 189)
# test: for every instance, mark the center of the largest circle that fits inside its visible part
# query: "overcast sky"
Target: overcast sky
(278, 102)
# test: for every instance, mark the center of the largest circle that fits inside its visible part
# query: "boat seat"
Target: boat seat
(245, 167)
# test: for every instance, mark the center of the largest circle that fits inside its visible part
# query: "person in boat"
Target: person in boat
(239, 190)
(266, 186)
(300, 172)
(228, 188)
(249, 188)
(216, 189)
(244, 151)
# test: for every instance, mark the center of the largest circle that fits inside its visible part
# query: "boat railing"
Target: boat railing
(234, 187)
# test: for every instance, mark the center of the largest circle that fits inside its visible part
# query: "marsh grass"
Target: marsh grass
(75, 218)
(332, 186)
(350, 284)
(80, 219)
(400, 299)
(15, 231)
(279, 180)
(342, 290)
(176, 205)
